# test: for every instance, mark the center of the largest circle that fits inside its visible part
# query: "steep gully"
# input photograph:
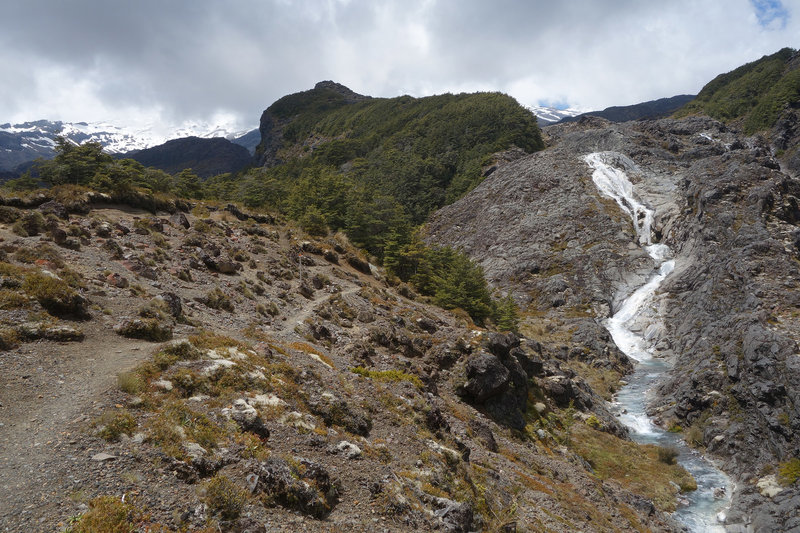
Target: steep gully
(633, 328)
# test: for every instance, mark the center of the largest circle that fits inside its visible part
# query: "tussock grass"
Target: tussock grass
(108, 514)
(636, 467)
(388, 376)
(130, 382)
(113, 424)
(224, 497)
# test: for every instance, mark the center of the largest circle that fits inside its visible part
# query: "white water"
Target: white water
(701, 510)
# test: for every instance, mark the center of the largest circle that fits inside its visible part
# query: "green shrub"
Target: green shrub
(183, 350)
(11, 299)
(593, 421)
(40, 251)
(149, 329)
(789, 471)
(188, 381)
(668, 455)
(506, 314)
(107, 514)
(114, 423)
(9, 215)
(156, 308)
(166, 434)
(29, 225)
(224, 497)
(8, 338)
(216, 299)
(55, 295)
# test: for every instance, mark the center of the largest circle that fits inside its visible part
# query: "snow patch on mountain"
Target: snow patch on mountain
(549, 115)
(115, 138)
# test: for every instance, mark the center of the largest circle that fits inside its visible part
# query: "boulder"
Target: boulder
(347, 449)
(306, 487)
(483, 433)
(179, 219)
(486, 377)
(455, 517)
(55, 208)
(173, 302)
(501, 344)
(247, 417)
(427, 325)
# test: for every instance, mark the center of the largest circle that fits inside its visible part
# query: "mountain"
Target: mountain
(725, 205)
(249, 140)
(21, 143)
(646, 110)
(423, 152)
(753, 95)
(206, 157)
(551, 115)
(328, 373)
(299, 108)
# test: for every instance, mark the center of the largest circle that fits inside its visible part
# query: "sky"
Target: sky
(225, 61)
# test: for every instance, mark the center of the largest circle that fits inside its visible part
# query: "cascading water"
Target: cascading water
(703, 510)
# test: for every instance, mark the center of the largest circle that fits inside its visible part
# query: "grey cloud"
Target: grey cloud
(193, 58)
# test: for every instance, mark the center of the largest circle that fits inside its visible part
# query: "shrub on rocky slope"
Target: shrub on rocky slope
(266, 403)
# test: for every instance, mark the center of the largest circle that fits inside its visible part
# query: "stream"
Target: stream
(702, 510)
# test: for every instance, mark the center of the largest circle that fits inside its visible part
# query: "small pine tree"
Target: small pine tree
(463, 285)
(507, 314)
(313, 222)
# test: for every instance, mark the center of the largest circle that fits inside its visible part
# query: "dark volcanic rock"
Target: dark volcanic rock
(307, 488)
(727, 314)
(486, 377)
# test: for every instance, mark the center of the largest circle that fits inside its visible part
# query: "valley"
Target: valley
(413, 314)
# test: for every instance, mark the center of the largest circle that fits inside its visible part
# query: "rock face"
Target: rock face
(729, 321)
(277, 116)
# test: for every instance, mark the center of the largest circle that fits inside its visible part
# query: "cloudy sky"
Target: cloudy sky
(226, 60)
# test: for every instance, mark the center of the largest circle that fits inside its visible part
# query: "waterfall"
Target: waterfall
(704, 509)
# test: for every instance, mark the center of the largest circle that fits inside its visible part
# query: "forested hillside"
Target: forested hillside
(754, 94)
(375, 167)
(371, 168)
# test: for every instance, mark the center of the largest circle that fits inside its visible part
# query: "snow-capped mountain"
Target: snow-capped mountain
(549, 115)
(20, 143)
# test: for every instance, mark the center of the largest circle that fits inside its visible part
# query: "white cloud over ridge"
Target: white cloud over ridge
(193, 59)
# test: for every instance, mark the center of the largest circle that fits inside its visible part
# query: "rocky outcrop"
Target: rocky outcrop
(729, 213)
(279, 115)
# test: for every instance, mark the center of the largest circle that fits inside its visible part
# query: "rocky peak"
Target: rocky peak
(350, 95)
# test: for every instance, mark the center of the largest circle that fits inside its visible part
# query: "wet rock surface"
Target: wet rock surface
(729, 211)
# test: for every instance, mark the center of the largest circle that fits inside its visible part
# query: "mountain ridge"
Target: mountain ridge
(651, 109)
(27, 141)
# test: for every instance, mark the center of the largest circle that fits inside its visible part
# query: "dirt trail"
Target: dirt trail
(308, 308)
(48, 393)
